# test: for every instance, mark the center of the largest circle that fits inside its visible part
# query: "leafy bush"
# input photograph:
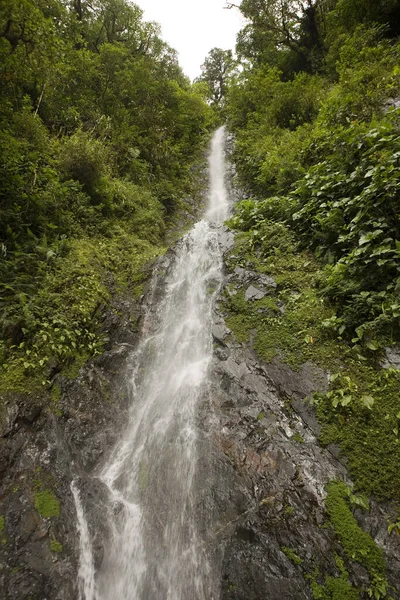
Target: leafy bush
(346, 214)
(99, 131)
(344, 209)
(276, 175)
(367, 68)
(87, 161)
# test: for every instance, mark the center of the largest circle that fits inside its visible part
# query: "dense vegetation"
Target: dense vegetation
(318, 141)
(315, 111)
(99, 132)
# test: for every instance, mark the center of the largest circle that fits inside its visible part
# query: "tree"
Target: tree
(277, 29)
(216, 69)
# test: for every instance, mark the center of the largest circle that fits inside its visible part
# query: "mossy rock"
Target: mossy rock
(47, 504)
(56, 546)
(357, 544)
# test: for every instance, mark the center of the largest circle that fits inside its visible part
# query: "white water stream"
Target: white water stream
(155, 551)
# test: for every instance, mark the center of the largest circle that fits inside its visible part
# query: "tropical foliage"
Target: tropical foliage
(99, 130)
(318, 147)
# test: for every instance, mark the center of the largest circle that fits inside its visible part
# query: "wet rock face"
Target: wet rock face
(267, 432)
(262, 473)
(392, 358)
(43, 447)
(281, 468)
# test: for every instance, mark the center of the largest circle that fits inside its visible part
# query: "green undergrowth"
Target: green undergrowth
(102, 139)
(357, 544)
(285, 323)
(291, 555)
(60, 324)
(56, 546)
(334, 588)
(367, 428)
(361, 410)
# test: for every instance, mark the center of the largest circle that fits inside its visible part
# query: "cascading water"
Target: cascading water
(156, 550)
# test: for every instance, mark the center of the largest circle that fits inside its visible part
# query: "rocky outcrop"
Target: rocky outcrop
(261, 481)
(48, 443)
(280, 544)
(44, 447)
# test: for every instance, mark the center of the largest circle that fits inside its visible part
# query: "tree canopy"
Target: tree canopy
(217, 67)
(99, 132)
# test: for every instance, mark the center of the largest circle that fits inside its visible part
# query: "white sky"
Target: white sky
(194, 27)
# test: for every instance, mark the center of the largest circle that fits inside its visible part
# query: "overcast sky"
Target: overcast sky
(194, 27)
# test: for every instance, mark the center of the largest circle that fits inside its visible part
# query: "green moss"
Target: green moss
(292, 556)
(288, 511)
(367, 437)
(291, 323)
(138, 291)
(56, 546)
(14, 378)
(334, 588)
(55, 393)
(47, 504)
(71, 370)
(297, 437)
(356, 543)
(287, 323)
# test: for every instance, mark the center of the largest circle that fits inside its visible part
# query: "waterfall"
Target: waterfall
(155, 550)
(86, 567)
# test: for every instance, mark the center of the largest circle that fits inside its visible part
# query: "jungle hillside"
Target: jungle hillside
(101, 133)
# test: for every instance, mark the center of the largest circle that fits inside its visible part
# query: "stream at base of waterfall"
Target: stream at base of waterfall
(156, 549)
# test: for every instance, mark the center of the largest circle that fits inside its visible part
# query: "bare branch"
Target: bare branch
(230, 5)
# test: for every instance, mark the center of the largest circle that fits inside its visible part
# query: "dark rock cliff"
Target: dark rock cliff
(261, 483)
(280, 543)
(43, 448)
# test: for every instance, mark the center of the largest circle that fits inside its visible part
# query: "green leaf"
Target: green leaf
(372, 345)
(345, 401)
(360, 332)
(335, 402)
(391, 527)
(367, 401)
